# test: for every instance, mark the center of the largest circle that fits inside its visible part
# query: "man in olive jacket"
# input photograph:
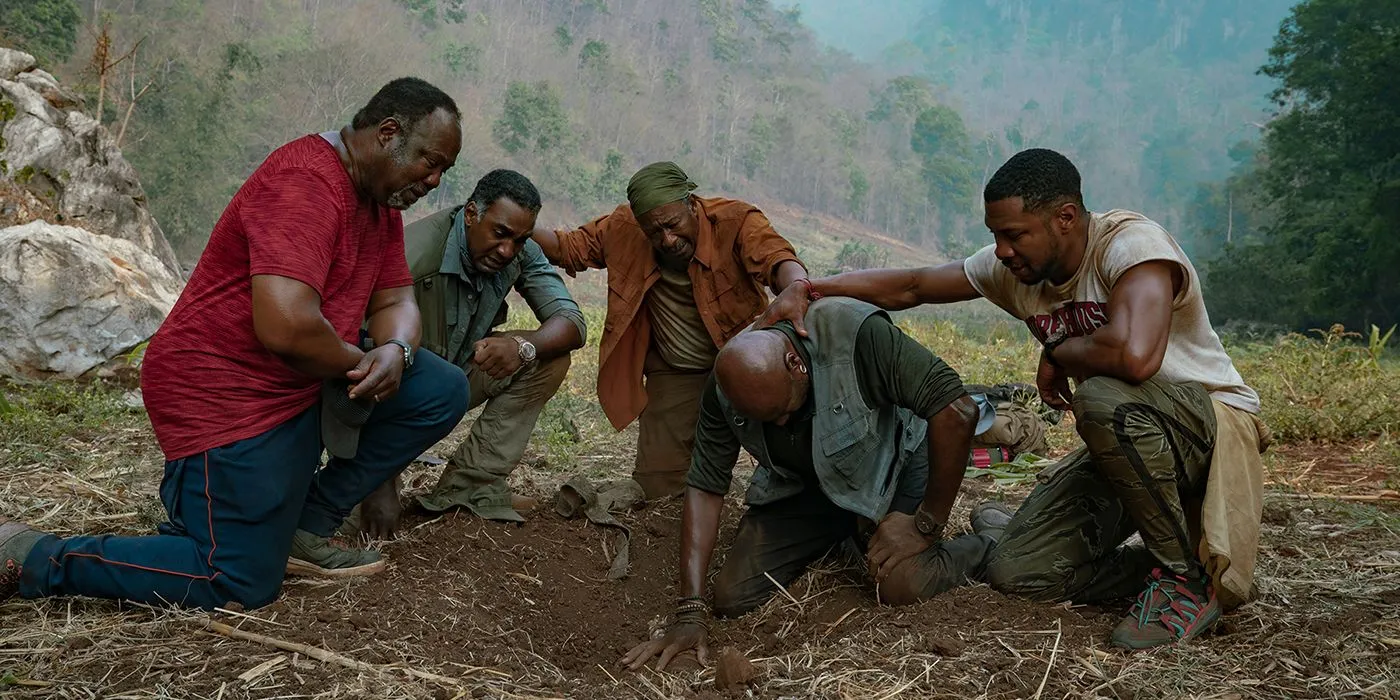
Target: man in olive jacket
(464, 261)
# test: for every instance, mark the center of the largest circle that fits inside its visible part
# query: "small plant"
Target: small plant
(859, 255)
(1376, 345)
(134, 357)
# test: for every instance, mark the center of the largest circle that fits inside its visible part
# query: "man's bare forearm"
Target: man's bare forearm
(699, 532)
(787, 272)
(949, 439)
(398, 321)
(319, 352)
(548, 241)
(556, 337)
(897, 289)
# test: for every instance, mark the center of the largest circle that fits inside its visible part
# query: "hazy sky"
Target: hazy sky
(854, 26)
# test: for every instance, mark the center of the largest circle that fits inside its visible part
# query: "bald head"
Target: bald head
(763, 376)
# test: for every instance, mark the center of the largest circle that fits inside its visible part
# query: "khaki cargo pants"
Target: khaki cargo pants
(475, 476)
(666, 428)
(1147, 450)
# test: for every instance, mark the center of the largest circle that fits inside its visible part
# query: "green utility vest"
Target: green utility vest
(457, 313)
(858, 453)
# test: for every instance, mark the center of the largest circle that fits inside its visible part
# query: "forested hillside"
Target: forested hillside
(575, 94)
(1147, 97)
(1264, 136)
(1308, 224)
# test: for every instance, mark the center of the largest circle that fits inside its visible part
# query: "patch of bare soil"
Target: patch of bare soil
(476, 609)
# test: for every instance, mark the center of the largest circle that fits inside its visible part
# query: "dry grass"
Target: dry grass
(78, 458)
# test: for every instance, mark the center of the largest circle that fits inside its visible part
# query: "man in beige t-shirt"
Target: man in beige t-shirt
(1118, 309)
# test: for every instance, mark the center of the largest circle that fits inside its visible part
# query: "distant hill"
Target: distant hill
(577, 95)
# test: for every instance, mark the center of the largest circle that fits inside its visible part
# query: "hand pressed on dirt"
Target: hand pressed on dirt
(790, 305)
(679, 637)
(895, 540)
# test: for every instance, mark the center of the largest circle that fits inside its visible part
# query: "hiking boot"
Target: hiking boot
(991, 519)
(16, 541)
(313, 555)
(1172, 609)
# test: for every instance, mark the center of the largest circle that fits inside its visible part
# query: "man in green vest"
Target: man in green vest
(854, 425)
(465, 260)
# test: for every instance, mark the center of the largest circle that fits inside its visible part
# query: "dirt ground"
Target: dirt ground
(498, 610)
(491, 610)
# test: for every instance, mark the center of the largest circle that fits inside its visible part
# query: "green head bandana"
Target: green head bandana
(655, 185)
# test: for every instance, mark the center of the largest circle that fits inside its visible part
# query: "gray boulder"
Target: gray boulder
(66, 158)
(86, 274)
(71, 300)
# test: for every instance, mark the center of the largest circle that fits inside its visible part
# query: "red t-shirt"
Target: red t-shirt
(205, 379)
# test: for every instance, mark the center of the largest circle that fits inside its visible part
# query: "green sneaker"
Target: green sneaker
(313, 555)
(16, 541)
(1172, 609)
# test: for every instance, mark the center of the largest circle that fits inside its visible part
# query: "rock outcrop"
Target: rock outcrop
(85, 272)
(72, 300)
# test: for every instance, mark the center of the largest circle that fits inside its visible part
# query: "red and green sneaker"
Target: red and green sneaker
(1172, 609)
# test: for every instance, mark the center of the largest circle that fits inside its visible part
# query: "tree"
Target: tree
(1332, 174)
(46, 28)
(532, 118)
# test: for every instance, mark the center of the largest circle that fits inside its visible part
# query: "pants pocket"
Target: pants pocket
(172, 484)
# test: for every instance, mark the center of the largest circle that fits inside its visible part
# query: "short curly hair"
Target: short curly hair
(408, 100)
(1039, 176)
(505, 183)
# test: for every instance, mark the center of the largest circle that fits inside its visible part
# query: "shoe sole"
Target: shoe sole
(301, 567)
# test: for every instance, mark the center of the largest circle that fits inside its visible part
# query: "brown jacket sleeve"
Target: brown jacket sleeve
(583, 248)
(762, 249)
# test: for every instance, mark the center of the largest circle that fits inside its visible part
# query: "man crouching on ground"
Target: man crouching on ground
(465, 260)
(260, 364)
(1172, 436)
(853, 425)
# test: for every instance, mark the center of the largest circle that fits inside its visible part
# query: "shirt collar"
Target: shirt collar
(786, 328)
(705, 234)
(455, 253)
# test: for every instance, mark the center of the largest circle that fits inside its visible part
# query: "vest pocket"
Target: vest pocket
(847, 431)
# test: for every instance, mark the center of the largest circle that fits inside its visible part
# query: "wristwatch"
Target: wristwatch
(927, 525)
(407, 351)
(527, 349)
(1052, 341)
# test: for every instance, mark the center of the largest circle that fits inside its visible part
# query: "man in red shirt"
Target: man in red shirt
(260, 364)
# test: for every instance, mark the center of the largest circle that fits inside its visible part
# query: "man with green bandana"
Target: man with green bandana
(465, 260)
(685, 274)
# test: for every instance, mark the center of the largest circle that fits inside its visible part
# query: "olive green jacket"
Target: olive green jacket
(461, 305)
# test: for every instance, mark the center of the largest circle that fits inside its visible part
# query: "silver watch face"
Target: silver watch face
(527, 351)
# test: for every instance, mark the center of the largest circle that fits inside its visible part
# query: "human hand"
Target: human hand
(380, 511)
(497, 356)
(895, 540)
(679, 637)
(1053, 385)
(379, 373)
(790, 305)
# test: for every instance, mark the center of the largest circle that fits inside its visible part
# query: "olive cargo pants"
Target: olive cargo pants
(1147, 450)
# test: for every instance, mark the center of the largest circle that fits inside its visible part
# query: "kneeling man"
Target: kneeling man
(853, 425)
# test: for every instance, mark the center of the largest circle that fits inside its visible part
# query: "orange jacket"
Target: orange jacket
(737, 253)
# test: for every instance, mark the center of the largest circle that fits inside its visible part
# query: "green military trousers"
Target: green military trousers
(1147, 450)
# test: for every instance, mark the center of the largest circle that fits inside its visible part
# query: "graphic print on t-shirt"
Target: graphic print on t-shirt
(1079, 317)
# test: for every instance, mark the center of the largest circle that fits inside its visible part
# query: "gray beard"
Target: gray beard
(399, 155)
